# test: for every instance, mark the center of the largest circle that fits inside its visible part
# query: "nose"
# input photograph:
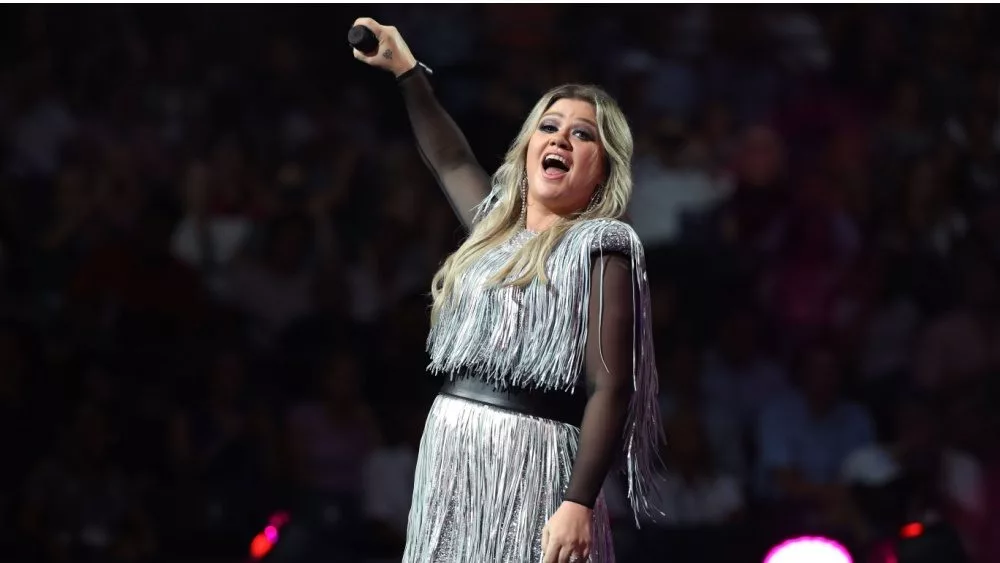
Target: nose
(559, 140)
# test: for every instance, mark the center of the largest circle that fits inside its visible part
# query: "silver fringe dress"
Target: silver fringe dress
(488, 478)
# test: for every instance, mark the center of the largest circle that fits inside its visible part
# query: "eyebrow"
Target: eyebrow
(583, 119)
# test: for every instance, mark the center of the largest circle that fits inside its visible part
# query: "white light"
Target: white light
(809, 550)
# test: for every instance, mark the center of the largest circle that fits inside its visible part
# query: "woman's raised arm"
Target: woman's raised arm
(441, 143)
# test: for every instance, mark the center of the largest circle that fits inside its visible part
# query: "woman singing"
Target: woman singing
(541, 325)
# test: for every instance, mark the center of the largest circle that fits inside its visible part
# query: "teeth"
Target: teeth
(556, 157)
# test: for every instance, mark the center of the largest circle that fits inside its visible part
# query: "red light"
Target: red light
(260, 546)
(279, 519)
(264, 542)
(912, 530)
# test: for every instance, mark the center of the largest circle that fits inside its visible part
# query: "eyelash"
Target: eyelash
(583, 134)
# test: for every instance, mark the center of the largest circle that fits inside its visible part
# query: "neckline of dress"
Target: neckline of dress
(521, 237)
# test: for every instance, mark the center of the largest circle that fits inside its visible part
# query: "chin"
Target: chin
(551, 197)
(556, 195)
(548, 193)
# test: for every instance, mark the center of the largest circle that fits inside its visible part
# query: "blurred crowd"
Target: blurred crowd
(217, 239)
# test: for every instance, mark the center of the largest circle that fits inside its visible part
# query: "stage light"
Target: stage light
(260, 546)
(808, 550)
(912, 530)
(264, 542)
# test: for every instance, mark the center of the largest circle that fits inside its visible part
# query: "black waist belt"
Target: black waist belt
(554, 405)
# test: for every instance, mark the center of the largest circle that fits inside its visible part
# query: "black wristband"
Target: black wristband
(416, 68)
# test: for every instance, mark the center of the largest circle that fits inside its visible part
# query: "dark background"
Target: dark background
(216, 242)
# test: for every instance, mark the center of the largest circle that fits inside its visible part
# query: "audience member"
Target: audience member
(804, 437)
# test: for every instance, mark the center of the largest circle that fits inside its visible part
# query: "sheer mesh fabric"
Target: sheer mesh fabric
(611, 323)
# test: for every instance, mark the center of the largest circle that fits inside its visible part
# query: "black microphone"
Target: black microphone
(362, 39)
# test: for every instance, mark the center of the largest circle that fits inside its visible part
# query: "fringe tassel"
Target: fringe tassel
(535, 337)
(487, 481)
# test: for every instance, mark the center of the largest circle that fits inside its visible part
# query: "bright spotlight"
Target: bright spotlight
(809, 550)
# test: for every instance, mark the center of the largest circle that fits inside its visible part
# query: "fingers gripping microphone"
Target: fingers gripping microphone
(363, 39)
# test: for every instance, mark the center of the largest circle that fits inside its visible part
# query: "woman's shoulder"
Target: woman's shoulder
(607, 235)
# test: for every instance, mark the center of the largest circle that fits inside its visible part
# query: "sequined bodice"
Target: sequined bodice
(523, 336)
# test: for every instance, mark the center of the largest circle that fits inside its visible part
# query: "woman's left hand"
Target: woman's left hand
(566, 536)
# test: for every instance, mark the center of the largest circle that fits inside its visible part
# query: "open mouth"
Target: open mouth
(554, 165)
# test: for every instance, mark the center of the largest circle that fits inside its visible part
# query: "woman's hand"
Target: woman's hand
(566, 536)
(393, 54)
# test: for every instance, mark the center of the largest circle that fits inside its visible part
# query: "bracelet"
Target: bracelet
(416, 68)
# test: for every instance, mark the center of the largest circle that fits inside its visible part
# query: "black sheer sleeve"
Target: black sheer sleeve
(444, 148)
(609, 365)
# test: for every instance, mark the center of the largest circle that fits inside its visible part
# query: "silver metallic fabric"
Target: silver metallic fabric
(487, 480)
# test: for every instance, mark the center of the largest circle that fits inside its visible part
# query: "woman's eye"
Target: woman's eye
(582, 134)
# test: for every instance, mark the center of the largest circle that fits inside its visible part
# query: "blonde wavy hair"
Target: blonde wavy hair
(504, 219)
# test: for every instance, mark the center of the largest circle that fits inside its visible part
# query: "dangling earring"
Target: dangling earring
(524, 200)
(595, 199)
